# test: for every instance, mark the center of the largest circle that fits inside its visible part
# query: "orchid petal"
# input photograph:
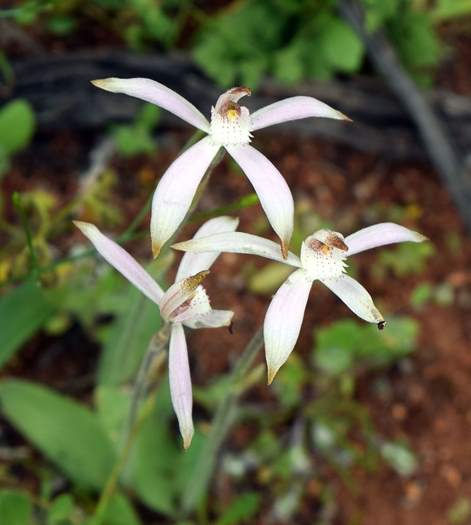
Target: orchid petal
(179, 295)
(212, 319)
(283, 320)
(176, 189)
(380, 235)
(158, 94)
(271, 188)
(192, 263)
(122, 261)
(293, 108)
(238, 242)
(180, 383)
(353, 294)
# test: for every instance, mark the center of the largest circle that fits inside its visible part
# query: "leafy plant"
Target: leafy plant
(17, 126)
(136, 138)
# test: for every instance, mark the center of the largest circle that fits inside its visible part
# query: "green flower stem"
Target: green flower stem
(222, 422)
(155, 354)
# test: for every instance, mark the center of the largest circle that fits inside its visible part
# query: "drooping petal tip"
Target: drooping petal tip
(187, 435)
(84, 226)
(103, 83)
(342, 116)
(271, 373)
(284, 249)
(156, 247)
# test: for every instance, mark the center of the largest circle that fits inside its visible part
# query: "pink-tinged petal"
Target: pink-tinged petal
(283, 320)
(192, 263)
(380, 235)
(212, 319)
(180, 383)
(176, 189)
(122, 261)
(271, 188)
(178, 297)
(293, 108)
(238, 242)
(353, 294)
(158, 94)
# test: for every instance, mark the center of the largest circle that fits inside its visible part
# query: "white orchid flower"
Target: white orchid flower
(184, 303)
(231, 127)
(323, 257)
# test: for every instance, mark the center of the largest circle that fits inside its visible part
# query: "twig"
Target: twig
(453, 170)
(220, 427)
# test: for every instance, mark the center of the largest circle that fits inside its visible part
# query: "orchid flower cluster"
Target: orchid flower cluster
(323, 254)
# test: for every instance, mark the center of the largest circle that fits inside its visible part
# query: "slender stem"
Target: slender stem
(156, 349)
(220, 427)
(113, 479)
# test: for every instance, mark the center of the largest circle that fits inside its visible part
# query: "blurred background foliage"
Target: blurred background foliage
(48, 291)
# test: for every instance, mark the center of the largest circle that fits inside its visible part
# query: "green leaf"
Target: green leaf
(341, 46)
(241, 510)
(17, 125)
(61, 508)
(120, 511)
(448, 9)
(345, 344)
(63, 430)
(15, 508)
(22, 312)
(401, 459)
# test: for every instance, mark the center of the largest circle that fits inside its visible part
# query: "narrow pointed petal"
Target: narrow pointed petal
(380, 235)
(122, 261)
(212, 319)
(158, 94)
(176, 189)
(353, 294)
(180, 383)
(179, 294)
(271, 188)
(293, 108)
(192, 263)
(238, 242)
(283, 320)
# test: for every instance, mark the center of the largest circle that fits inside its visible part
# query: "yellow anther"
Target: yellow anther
(232, 114)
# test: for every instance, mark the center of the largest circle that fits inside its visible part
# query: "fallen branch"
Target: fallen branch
(59, 89)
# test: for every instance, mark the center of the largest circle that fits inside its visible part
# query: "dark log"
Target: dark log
(439, 139)
(58, 87)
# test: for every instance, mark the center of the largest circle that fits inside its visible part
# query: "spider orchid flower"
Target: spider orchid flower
(184, 303)
(231, 127)
(323, 257)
